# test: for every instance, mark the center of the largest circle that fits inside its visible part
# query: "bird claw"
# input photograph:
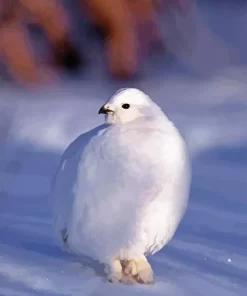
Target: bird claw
(115, 277)
(121, 278)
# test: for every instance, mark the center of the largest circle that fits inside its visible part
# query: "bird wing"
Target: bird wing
(62, 186)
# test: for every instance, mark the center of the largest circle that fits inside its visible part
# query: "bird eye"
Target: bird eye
(126, 106)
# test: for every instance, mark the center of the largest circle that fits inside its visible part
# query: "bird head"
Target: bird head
(127, 105)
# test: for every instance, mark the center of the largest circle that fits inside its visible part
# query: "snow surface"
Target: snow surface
(195, 262)
(207, 256)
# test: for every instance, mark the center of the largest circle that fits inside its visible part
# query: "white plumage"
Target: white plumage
(122, 188)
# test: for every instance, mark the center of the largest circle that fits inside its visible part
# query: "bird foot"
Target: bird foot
(114, 271)
(115, 274)
(131, 271)
(139, 269)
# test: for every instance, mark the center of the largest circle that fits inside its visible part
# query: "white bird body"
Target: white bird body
(122, 189)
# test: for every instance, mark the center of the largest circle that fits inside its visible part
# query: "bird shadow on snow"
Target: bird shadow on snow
(27, 241)
(212, 228)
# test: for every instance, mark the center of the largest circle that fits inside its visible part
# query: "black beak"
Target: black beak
(104, 110)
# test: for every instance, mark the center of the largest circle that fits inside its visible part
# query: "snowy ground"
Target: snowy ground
(208, 255)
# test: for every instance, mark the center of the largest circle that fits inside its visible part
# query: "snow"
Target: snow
(195, 262)
(35, 129)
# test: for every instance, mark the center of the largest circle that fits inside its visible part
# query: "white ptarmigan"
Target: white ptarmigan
(122, 188)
